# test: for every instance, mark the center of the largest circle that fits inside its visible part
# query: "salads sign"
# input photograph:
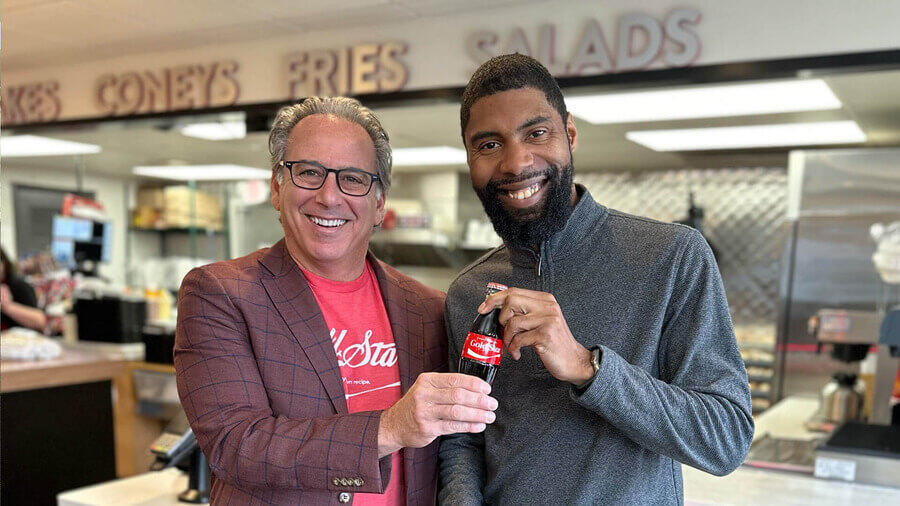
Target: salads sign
(639, 41)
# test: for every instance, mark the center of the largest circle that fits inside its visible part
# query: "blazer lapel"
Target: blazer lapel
(295, 302)
(406, 322)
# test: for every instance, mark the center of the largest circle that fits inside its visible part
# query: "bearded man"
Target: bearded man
(620, 358)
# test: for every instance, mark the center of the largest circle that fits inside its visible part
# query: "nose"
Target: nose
(516, 158)
(329, 194)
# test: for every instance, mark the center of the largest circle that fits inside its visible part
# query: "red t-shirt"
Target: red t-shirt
(361, 332)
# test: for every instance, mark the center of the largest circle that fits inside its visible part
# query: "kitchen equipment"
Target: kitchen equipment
(842, 398)
(850, 334)
(112, 319)
(174, 450)
(861, 453)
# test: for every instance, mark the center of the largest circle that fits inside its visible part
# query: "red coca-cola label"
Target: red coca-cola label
(483, 348)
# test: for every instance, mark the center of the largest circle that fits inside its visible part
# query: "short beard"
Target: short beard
(527, 228)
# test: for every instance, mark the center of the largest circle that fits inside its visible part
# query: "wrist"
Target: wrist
(387, 442)
(585, 371)
(596, 355)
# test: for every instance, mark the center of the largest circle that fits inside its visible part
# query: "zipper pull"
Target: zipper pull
(540, 257)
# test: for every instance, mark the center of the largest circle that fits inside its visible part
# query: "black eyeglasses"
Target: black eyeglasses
(311, 175)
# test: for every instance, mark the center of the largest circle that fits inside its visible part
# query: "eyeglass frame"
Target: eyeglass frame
(288, 164)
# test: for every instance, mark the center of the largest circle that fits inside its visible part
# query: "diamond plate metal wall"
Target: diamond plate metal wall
(744, 211)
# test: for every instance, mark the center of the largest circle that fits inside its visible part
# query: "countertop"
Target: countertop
(748, 485)
(71, 367)
(745, 486)
(149, 489)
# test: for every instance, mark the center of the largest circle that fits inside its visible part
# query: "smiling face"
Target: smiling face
(520, 159)
(326, 231)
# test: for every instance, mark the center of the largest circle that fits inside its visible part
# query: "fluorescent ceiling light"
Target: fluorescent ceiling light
(216, 131)
(705, 102)
(754, 136)
(33, 145)
(433, 155)
(224, 172)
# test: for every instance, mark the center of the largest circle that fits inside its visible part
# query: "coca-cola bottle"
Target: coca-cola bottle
(481, 352)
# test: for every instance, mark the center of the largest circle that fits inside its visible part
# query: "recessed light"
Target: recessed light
(215, 172)
(705, 102)
(751, 136)
(432, 155)
(33, 145)
(216, 131)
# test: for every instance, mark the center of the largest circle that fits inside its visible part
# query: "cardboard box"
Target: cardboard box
(182, 200)
(147, 217)
(184, 220)
(151, 198)
(178, 207)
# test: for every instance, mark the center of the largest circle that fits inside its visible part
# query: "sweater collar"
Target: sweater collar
(585, 216)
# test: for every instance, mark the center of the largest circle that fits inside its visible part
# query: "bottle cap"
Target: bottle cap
(493, 288)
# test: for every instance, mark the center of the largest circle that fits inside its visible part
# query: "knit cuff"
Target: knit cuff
(594, 395)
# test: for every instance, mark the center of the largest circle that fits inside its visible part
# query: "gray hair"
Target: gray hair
(343, 107)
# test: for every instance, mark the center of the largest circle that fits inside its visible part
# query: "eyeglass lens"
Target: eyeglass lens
(350, 181)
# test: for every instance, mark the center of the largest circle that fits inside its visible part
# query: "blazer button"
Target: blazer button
(344, 497)
(358, 482)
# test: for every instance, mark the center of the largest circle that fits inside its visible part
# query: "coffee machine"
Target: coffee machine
(851, 334)
(856, 451)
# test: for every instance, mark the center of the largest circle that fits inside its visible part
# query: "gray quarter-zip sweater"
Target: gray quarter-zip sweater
(671, 387)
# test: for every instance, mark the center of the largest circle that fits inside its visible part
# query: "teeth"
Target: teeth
(327, 223)
(527, 192)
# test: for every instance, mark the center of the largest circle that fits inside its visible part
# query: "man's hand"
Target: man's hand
(534, 319)
(436, 404)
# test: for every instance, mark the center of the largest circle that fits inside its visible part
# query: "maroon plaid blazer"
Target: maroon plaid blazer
(259, 380)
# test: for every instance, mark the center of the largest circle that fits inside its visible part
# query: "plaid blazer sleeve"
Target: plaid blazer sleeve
(247, 444)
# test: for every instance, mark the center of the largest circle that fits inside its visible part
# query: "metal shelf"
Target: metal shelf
(759, 394)
(759, 363)
(179, 230)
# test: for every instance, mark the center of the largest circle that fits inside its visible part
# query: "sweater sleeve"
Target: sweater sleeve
(698, 411)
(461, 456)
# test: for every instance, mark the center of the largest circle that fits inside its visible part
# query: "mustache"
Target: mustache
(494, 185)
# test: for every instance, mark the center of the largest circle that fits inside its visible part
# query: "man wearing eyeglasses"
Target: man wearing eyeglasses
(311, 371)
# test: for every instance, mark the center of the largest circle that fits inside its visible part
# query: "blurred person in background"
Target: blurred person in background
(18, 304)
(310, 371)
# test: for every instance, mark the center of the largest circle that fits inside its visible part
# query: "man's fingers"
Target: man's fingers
(456, 380)
(460, 413)
(528, 338)
(462, 397)
(519, 323)
(457, 427)
(493, 300)
(513, 297)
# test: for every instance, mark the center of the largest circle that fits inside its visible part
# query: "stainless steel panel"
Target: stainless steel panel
(869, 469)
(841, 193)
(744, 208)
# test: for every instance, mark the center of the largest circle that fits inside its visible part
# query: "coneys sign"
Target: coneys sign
(431, 56)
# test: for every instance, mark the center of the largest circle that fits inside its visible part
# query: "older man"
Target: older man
(305, 369)
(622, 362)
